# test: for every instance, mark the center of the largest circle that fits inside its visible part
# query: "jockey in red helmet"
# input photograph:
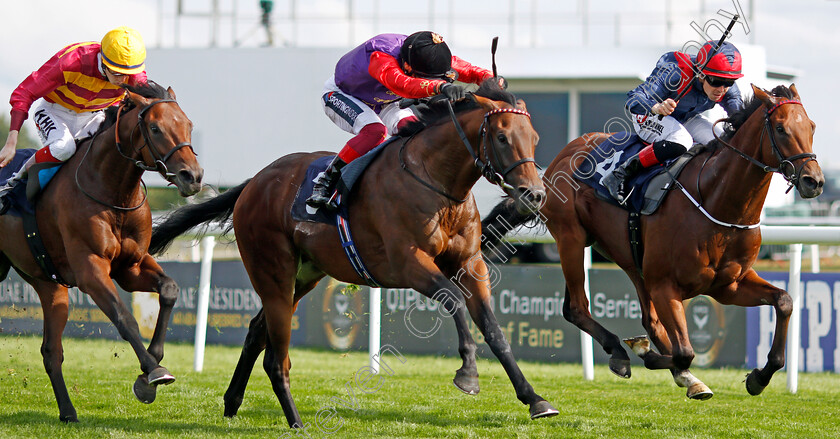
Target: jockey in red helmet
(362, 97)
(679, 124)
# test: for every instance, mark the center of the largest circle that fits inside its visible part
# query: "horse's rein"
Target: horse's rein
(784, 162)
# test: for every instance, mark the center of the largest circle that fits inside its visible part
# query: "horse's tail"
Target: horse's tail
(179, 221)
(501, 220)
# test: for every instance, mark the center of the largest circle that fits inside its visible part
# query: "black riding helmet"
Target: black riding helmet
(427, 55)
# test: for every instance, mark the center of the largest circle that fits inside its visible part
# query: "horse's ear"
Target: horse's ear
(795, 93)
(138, 100)
(763, 96)
(484, 102)
(520, 104)
(171, 93)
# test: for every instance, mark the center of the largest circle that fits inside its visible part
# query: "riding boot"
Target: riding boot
(325, 186)
(616, 181)
(12, 182)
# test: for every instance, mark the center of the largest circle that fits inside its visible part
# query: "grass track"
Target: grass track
(418, 401)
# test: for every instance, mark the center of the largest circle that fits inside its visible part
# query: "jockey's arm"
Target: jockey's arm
(469, 73)
(732, 101)
(385, 69)
(37, 85)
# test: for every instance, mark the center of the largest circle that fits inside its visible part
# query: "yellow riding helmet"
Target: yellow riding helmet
(123, 51)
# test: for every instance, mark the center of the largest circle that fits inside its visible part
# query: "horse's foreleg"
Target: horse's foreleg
(255, 343)
(477, 296)
(755, 291)
(54, 302)
(667, 304)
(466, 378)
(149, 276)
(94, 280)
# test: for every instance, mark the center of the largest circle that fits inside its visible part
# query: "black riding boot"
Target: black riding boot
(6, 189)
(616, 181)
(325, 186)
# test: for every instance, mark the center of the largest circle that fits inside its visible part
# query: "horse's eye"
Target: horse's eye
(502, 138)
(154, 129)
(780, 129)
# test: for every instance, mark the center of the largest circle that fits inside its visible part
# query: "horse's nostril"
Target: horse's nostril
(186, 176)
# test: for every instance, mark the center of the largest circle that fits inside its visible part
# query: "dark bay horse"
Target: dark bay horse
(96, 226)
(687, 253)
(415, 223)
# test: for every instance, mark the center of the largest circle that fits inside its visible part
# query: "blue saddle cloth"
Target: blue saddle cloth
(611, 153)
(349, 176)
(23, 195)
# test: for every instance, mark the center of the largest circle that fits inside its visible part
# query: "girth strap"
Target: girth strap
(637, 248)
(39, 251)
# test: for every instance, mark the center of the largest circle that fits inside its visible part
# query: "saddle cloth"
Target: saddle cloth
(649, 186)
(23, 195)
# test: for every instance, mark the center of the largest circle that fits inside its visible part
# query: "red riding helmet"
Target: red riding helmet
(725, 63)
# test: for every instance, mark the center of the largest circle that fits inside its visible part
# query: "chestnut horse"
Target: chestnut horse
(688, 250)
(415, 223)
(96, 225)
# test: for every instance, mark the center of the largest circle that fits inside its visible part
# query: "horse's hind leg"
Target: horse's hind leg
(255, 343)
(755, 291)
(54, 302)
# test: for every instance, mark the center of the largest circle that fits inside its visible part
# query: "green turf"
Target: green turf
(417, 401)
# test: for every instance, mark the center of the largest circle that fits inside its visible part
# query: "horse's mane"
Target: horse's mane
(429, 115)
(736, 120)
(150, 90)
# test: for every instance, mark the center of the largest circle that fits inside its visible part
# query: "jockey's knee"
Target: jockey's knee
(58, 151)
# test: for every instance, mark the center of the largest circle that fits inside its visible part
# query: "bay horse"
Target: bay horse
(96, 226)
(415, 223)
(708, 249)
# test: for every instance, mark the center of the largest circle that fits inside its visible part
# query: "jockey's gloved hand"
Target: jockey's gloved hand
(453, 92)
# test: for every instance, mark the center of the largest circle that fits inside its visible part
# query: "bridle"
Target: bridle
(488, 170)
(785, 163)
(159, 161)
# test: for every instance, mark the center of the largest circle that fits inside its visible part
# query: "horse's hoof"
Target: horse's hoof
(699, 391)
(160, 375)
(68, 419)
(232, 406)
(143, 391)
(754, 387)
(620, 367)
(542, 409)
(639, 344)
(465, 383)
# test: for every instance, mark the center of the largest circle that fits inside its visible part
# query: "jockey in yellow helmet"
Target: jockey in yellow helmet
(71, 89)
